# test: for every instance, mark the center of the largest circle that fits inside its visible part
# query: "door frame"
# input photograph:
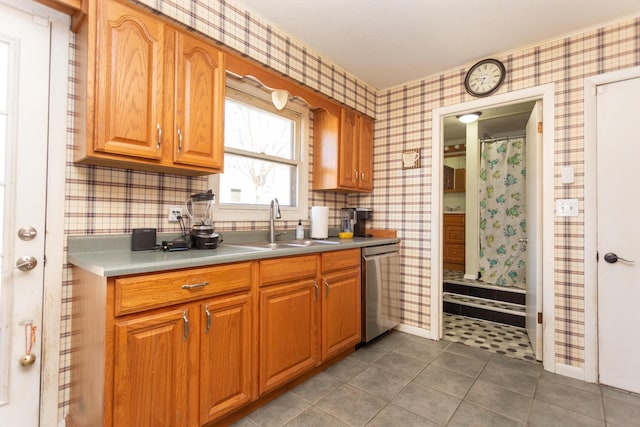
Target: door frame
(591, 366)
(546, 93)
(54, 218)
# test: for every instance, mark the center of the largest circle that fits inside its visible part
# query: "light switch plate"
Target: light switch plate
(567, 207)
(567, 176)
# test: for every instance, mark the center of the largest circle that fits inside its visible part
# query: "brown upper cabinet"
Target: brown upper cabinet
(153, 95)
(343, 151)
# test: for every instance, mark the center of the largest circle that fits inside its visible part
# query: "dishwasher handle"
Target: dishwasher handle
(369, 251)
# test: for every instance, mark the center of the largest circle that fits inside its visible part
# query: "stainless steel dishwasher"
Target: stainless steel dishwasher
(381, 304)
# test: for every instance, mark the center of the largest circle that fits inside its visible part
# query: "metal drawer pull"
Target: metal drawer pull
(186, 326)
(179, 140)
(206, 310)
(315, 285)
(195, 285)
(326, 286)
(159, 137)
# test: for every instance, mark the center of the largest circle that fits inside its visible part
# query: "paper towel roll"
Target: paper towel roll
(319, 222)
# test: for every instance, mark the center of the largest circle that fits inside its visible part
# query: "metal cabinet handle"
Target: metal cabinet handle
(326, 287)
(355, 174)
(179, 140)
(315, 285)
(206, 310)
(362, 176)
(195, 285)
(159, 137)
(186, 326)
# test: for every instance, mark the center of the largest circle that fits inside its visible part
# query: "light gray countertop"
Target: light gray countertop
(112, 255)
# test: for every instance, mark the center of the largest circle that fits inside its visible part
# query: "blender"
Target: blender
(199, 208)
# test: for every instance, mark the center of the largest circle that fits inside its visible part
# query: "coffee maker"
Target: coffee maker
(356, 219)
(199, 208)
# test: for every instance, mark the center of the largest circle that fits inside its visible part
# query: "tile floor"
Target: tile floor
(403, 380)
(494, 337)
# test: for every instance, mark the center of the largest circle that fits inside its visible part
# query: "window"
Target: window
(265, 157)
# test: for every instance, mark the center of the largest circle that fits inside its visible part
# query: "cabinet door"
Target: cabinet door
(365, 154)
(288, 332)
(151, 372)
(225, 355)
(129, 83)
(340, 311)
(199, 103)
(347, 157)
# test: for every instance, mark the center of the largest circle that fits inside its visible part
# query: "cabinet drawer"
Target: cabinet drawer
(453, 253)
(338, 260)
(454, 234)
(138, 293)
(454, 219)
(280, 270)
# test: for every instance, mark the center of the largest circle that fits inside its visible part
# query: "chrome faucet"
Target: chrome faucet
(274, 213)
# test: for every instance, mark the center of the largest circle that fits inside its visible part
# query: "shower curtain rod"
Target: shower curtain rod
(491, 139)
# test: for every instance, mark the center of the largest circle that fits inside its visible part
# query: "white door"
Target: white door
(24, 89)
(533, 146)
(618, 151)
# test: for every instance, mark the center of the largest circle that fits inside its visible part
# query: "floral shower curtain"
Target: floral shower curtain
(502, 212)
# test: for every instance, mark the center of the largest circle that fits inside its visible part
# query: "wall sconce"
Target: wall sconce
(279, 97)
(469, 117)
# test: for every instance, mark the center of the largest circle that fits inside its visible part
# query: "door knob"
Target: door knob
(612, 258)
(26, 263)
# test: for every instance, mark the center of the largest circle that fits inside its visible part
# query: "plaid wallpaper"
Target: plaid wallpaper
(401, 198)
(104, 200)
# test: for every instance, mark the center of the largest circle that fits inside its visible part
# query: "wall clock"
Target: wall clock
(485, 77)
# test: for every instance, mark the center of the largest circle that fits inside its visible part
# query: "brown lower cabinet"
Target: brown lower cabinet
(192, 347)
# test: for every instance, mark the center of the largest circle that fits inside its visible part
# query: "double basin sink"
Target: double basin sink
(284, 244)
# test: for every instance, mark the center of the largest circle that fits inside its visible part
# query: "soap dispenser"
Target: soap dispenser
(299, 230)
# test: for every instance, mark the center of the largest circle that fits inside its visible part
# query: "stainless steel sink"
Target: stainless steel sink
(285, 244)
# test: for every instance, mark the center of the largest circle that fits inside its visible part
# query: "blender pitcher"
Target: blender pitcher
(199, 208)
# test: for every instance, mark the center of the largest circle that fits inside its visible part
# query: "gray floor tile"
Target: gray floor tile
(391, 340)
(459, 363)
(444, 380)
(509, 378)
(466, 350)
(405, 367)
(580, 401)
(351, 405)
(442, 344)
(395, 416)
(420, 350)
(530, 368)
(571, 382)
(245, 422)
(315, 388)
(500, 400)
(379, 382)
(314, 417)
(621, 395)
(347, 368)
(427, 402)
(621, 411)
(547, 415)
(369, 353)
(470, 415)
(280, 411)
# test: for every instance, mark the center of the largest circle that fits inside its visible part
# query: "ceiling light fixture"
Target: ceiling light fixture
(469, 117)
(279, 98)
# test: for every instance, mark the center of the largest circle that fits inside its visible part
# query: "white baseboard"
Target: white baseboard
(570, 371)
(424, 333)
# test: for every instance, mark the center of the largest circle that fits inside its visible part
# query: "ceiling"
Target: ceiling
(388, 42)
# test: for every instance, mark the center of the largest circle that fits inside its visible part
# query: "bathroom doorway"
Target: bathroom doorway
(544, 165)
(484, 292)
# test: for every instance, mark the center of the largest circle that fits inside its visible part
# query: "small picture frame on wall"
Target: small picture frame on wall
(411, 159)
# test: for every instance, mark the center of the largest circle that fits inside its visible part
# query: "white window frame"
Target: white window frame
(238, 212)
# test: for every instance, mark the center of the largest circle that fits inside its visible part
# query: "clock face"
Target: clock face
(485, 77)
